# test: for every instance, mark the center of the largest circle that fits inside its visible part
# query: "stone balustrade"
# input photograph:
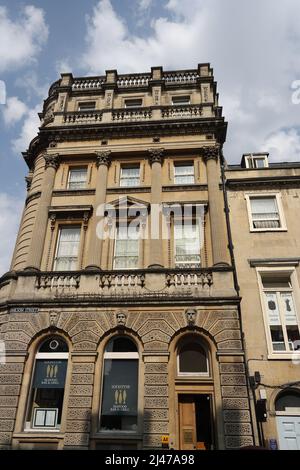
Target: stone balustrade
(138, 114)
(82, 117)
(184, 111)
(136, 80)
(116, 285)
(186, 76)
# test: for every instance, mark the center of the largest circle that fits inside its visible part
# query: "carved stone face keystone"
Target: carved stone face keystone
(191, 315)
(121, 318)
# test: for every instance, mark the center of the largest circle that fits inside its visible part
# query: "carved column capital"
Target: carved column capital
(210, 152)
(156, 155)
(28, 180)
(52, 161)
(103, 158)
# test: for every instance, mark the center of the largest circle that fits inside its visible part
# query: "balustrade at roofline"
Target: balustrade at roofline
(133, 80)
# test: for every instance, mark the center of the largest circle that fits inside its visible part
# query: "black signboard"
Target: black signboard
(120, 387)
(50, 373)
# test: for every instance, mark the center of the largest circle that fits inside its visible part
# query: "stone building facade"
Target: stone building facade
(110, 343)
(263, 199)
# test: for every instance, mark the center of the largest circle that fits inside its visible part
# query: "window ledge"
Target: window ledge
(281, 229)
(287, 356)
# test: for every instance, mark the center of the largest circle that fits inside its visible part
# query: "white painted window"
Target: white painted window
(265, 212)
(184, 173)
(180, 100)
(192, 359)
(66, 258)
(77, 178)
(281, 316)
(187, 243)
(126, 252)
(130, 176)
(256, 161)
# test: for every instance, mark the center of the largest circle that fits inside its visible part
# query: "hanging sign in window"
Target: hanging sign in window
(50, 374)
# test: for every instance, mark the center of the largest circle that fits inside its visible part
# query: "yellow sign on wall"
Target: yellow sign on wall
(165, 439)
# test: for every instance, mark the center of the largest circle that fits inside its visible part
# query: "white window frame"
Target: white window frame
(295, 291)
(182, 97)
(58, 242)
(138, 240)
(74, 168)
(124, 167)
(277, 196)
(253, 158)
(199, 223)
(177, 164)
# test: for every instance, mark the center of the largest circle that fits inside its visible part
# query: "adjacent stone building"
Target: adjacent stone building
(117, 334)
(264, 203)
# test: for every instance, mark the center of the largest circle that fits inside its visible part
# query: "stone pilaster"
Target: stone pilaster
(96, 239)
(38, 237)
(156, 161)
(79, 411)
(216, 207)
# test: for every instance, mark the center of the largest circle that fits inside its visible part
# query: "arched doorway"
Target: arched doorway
(194, 394)
(287, 406)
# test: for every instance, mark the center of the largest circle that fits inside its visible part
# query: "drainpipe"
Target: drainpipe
(237, 287)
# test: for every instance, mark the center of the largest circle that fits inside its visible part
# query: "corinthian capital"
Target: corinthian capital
(51, 161)
(210, 152)
(156, 155)
(102, 158)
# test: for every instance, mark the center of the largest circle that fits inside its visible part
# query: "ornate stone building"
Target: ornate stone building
(115, 341)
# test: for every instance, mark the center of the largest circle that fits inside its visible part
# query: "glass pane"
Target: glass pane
(86, 106)
(272, 308)
(259, 162)
(193, 359)
(126, 248)
(134, 103)
(290, 399)
(184, 174)
(130, 176)
(276, 282)
(67, 252)
(179, 100)
(121, 344)
(293, 337)
(264, 212)
(77, 178)
(54, 344)
(277, 338)
(187, 244)
(289, 311)
(119, 395)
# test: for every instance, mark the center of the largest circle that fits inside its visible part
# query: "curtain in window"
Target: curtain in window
(130, 176)
(67, 251)
(265, 212)
(184, 174)
(126, 248)
(187, 244)
(77, 178)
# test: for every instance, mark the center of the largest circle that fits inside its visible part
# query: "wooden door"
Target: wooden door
(187, 422)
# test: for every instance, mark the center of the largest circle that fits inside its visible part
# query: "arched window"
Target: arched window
(48, 384)
(192, 358)
(288, 401)
(120, 386)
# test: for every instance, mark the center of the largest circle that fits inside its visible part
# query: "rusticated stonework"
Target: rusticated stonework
(155, 330)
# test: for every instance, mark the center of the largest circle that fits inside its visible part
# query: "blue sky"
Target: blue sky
(254, 48)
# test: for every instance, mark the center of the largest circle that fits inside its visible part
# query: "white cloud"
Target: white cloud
(254, 54)
(10, 213)
(21, 40)
(29, 130)
(284, 146)
(32, 86)
(14, 110)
